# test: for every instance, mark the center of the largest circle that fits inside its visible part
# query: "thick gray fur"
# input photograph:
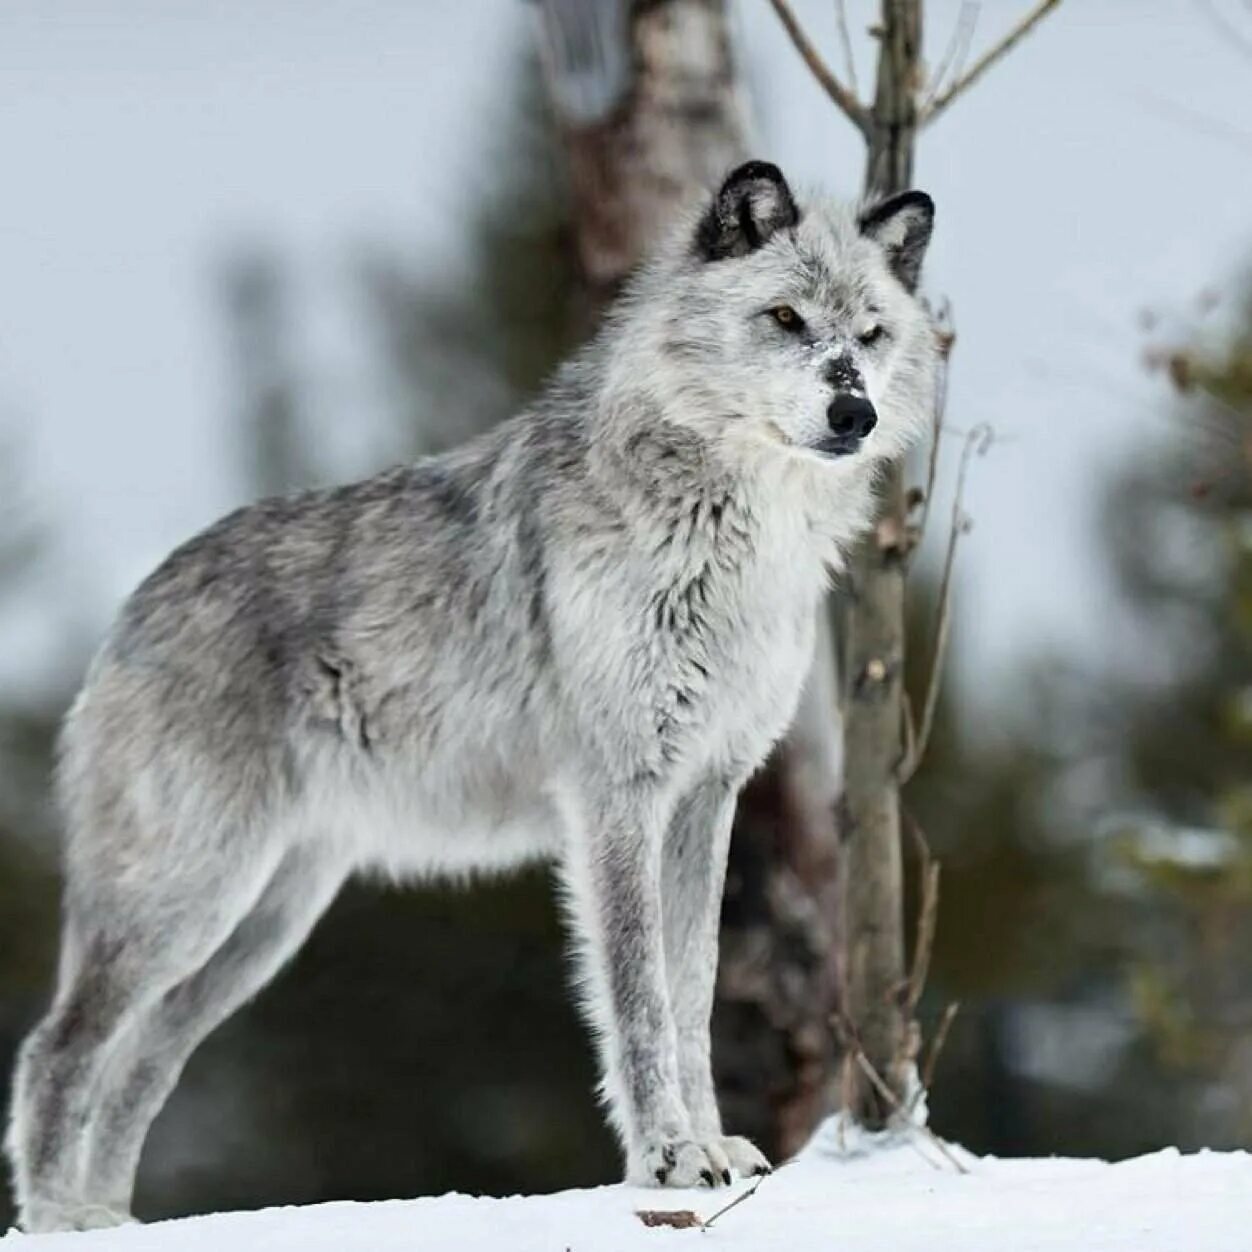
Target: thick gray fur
(573, 638)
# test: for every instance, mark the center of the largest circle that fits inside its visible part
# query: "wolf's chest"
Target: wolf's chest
(733, 647)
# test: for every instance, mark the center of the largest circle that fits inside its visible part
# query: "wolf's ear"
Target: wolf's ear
(902, 225)
(752, 206)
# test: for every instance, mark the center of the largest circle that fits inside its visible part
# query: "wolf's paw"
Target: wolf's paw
(681, 1163)
(746, 1159)
(46, 1216)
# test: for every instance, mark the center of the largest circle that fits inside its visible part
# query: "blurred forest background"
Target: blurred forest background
(1093, 817)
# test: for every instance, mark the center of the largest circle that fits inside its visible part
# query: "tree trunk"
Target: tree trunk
(649, 109)
(874, 669)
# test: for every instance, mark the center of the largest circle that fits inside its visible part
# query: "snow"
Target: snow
(892, 1199)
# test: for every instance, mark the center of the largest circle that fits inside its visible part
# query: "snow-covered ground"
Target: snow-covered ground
(891, 1200)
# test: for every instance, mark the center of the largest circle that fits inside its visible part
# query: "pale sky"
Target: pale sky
(1105, 166)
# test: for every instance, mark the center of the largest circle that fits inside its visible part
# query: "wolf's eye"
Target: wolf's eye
(786, 317)
(872, 334)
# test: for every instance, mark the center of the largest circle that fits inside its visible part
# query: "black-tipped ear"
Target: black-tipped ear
(752, 206)
(902, 226)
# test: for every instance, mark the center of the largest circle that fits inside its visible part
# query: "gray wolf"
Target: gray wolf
(572, 638)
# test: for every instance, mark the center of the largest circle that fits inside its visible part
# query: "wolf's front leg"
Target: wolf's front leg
(612, 868)
(693, 874)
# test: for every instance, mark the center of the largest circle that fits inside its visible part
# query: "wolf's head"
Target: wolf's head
(794, 322)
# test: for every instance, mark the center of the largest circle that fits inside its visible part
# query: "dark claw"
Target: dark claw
(707, 1175)
(726, 1177)
(662, 1174)
(761, 1170)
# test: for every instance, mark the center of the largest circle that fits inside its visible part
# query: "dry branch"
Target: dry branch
(849, 61)
(910, 727)
(1239, 39)
(977, 441)
(739, 1199)
(953, 59)
(850, 106)
(947, 339)
(936, 1044)
(988, 59)
(890, 1096)
(924, 943)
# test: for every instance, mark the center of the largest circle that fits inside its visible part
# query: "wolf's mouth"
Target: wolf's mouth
(838, 445)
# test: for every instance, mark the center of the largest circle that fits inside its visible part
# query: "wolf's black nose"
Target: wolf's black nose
(851, 415)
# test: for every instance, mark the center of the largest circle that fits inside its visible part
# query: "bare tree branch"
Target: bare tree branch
(988, 59)
(1241, 40)
(936, 1044)
(890, 1096)
(1196, 121)
(851, 107)
(707, 1224)
(927, 917)
(954, 55)
(978, 440)
(849, 61)
(910, 726)
(967, 42)
(947, 338)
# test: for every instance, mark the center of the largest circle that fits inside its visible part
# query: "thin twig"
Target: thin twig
(967, 42)
(890, 1096)
(939, 647)
(910, 726)
(923, 945)
(936, 1044)
(740, 1198)
(1227, 28)
(988, 59)
(852, 108)
(1196, 120)
(849, 61)
(847, 1082)
(946, 337)
(978, 440)
(962, 32)
(853, 1053)
(928, 913)
(920, 842)
(912, 1142)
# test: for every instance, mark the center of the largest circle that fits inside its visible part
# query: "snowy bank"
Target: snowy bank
(891, 1200)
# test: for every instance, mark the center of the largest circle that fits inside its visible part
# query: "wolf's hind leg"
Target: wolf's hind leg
(146, 1067)
(55, 1068)
(126, 942)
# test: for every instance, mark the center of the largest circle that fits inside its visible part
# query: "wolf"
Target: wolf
(572, 638)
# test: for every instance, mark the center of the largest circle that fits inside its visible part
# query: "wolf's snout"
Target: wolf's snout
(851, 416)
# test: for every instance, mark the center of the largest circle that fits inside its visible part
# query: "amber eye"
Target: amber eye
(871, 334)
(786, 316)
